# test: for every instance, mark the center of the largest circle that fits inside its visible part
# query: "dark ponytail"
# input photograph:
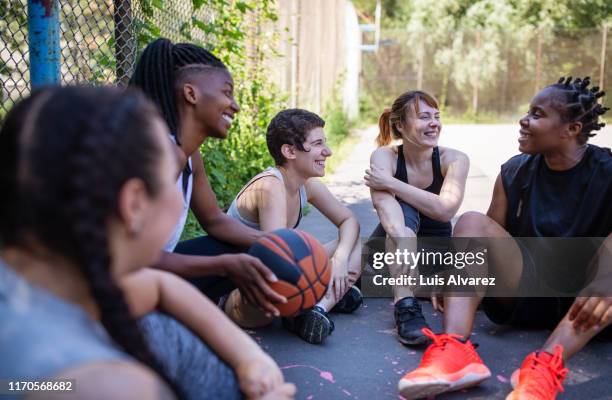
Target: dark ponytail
(76, 148)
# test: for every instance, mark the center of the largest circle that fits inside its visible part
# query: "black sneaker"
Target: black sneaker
(313, 325)
(351, 301)
(409, 320)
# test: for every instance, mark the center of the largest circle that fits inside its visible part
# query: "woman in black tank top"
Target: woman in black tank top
(416, 187)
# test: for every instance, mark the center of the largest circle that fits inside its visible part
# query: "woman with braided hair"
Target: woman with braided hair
(194, 92)
(559, 187)
(87, 177)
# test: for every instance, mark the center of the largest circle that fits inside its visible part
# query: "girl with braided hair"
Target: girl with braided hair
(560, 186)
(194, 92)
(87, 177)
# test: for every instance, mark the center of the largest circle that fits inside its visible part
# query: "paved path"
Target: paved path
(362, 359)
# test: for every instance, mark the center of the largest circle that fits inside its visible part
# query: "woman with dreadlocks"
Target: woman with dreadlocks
(560, 186)
(194, 92)
(87, 178)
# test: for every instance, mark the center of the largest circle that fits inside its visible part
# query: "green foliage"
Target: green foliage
(337, 128)
(13, 42)
(230, 163)
(337, 124)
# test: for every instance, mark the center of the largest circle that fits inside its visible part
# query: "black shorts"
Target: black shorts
(212, 286)
(530, 312)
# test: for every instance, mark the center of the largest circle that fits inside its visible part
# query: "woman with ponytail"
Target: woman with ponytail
(88, 197)
(416, 187)
(194, 92)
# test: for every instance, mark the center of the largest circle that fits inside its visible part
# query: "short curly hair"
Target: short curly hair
(290, 126)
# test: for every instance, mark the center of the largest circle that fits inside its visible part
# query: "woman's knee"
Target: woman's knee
(472, 223)
(244, 314)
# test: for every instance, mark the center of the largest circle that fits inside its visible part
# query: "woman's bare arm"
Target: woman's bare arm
(441, 207)
(348, 229)
(499, 203)
(148, 289)
(388, 209)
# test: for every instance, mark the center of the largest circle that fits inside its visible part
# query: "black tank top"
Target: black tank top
(428, 226)
(547, 203)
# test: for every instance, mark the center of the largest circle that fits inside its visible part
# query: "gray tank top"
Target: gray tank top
(271, 171)
(42, 335)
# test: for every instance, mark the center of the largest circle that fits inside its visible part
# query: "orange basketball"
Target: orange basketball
(301, 264)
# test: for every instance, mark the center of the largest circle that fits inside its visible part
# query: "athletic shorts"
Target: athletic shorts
(412, 220)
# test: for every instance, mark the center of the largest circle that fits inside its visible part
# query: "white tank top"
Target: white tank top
(186, 191)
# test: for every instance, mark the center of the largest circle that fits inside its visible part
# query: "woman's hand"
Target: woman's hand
(340, 276)
(260, 378)
(378, 179)
(251, 276)
(589, 312)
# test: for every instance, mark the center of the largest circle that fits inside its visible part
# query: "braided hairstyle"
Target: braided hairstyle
(65, 154)
(577, 103)
(405, 103)
(156, 71)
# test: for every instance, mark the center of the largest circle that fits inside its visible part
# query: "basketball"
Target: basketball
(301, 264)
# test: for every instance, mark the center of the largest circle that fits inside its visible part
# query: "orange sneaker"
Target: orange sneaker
(448, 364)
(540, 377)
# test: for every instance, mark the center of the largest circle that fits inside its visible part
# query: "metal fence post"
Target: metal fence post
(43, 40)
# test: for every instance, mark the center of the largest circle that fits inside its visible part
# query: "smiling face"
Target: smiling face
(312, 161)
(543, 129)
(423, 127)
(215, 107)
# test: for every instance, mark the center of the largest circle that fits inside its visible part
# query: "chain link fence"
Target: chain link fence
(99, 39)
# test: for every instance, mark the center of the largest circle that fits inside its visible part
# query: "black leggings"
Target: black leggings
(212, 286)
